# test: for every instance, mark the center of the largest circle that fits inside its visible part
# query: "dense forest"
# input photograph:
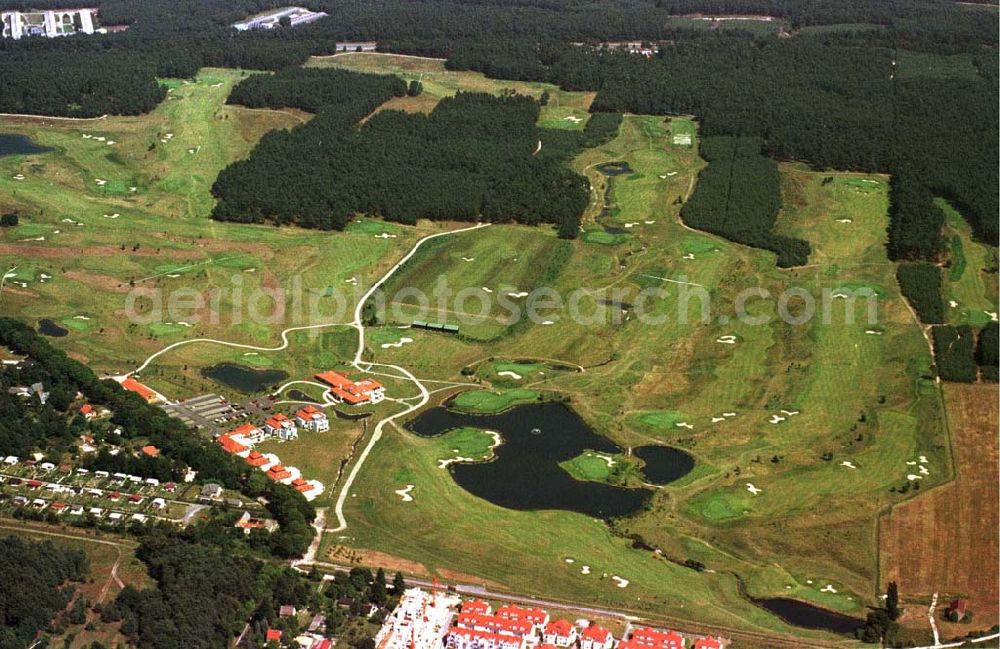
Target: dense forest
(920, 284)
(954, 353)
(51, 428)
(36, 585)
(738, 197)
(471, 158)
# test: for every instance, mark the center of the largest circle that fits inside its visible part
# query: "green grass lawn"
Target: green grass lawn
(485, 401)
(970, 281)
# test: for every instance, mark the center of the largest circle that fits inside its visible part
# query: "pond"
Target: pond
(808, 616)
(614, 168)
(525, 474)
(14, 144)
(47, 327)
(243, 378)
(664, 464)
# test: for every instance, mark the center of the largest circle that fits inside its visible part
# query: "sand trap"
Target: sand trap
(584, 570)
(914, 476)
(848, 464)
(351, 280)
(923, 459)
(193, 151)
(631, 225)
(845, 220)
(684, 424)
(34, 239)
(729, 414)
(111, 216)
(19, 177)
(217, 85)
(828, 589)
(184, 324)
(405, 493)
(385, 235)
(651, 222)
(952, 303)
(44, 277)
(468, 259)
(443, 464)
(752, 489)
(716, 420)
(110, 142)
(164, 140)
(573, 118)
(872, 332)
(56, 231)
(776, 419)
(726, 340)
(663, 177)
(790, 413)
(397, 345)
(607, 459)
(688, 256)
(173, 275)
(671, 173)
(133, 189)
(508, 373)
(488, 290)
(80, 317)
(100, 181)
(518, 294)
(992, 315)
(87, 136)
(547, 322)
(621, 583)
(923, 470)
(570, 560)
(250, 354)
(99, 138)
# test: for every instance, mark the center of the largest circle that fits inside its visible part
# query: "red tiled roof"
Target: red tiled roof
(132, 385)
(86, 409)
(244, 429)
(350, 397)
(230, 445)
(150, 450)
(334, 379)
(475, 606)
(278, 472)
(707, 643)
(494, 624)
(58, 505)
(277, 420)
(135, 498)
(256, 458)
(309, 412)
(660, 639)
(596, 633)
(560, 628)
(533, 615)
(273, 634)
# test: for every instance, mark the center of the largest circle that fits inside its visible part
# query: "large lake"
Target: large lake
(525, 475)
(14, 144)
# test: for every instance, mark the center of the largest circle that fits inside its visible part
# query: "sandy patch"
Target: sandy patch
(518, 294)
(398, 344)
(726, 340)
(684, 424)
(513, 375)
(405, 493)
(848, 464)
(584, 570)
(752, 489)
(620, 582)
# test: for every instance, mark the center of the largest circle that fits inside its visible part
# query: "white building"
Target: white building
(420, 621)
(49, 23)
(281, 427)
(312, 418)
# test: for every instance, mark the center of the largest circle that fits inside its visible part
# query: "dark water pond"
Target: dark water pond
(243, 378)
(49, 328)
(614, 168)
(14, 144)
(664, 464)
(525, 475)
(808, 616)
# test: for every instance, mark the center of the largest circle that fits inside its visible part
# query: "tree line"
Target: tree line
(738, 196)
(472, 158)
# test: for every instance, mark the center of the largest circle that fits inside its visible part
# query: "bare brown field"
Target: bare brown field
(946, 540)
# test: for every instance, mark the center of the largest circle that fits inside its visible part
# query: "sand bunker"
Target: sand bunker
(573, 118)
(844, 220)
(405, 493)
(952, 303)
(776, 419)
(621, 583)
(397, 345)
(789, 413)
(488, 290)
(443, 464)
(684, 424)
(828, 589)
(849, 465)
(752, 489)
(508, 373)
(726, 340)
(518, 294)
(570, 560)
(584, 570)
(468, 259)
(547, 322)
(913, 476)
(385, 235)
(872, 332)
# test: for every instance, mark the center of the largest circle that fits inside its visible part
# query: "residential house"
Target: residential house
(302, 486)
(150, 451)
(559, 633)
(313, 419)
(248, 434)
(278, 473)
(272, 635)
(647, 638)
(210, 492)
(707, 643)
(596, 637)
(230, 445)
(146, 393)
(256, 459)
(287, 611)
(88, 411)
(281, 427)
(460, 638)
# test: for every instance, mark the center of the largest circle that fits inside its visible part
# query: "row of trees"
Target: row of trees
(738, 196)
(471, 158)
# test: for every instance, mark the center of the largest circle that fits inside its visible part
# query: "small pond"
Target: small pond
(14, 144)
(614, 168)
(808, 616)
(663, 464)
(48, 327)
(243, 378)
(525, 474)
